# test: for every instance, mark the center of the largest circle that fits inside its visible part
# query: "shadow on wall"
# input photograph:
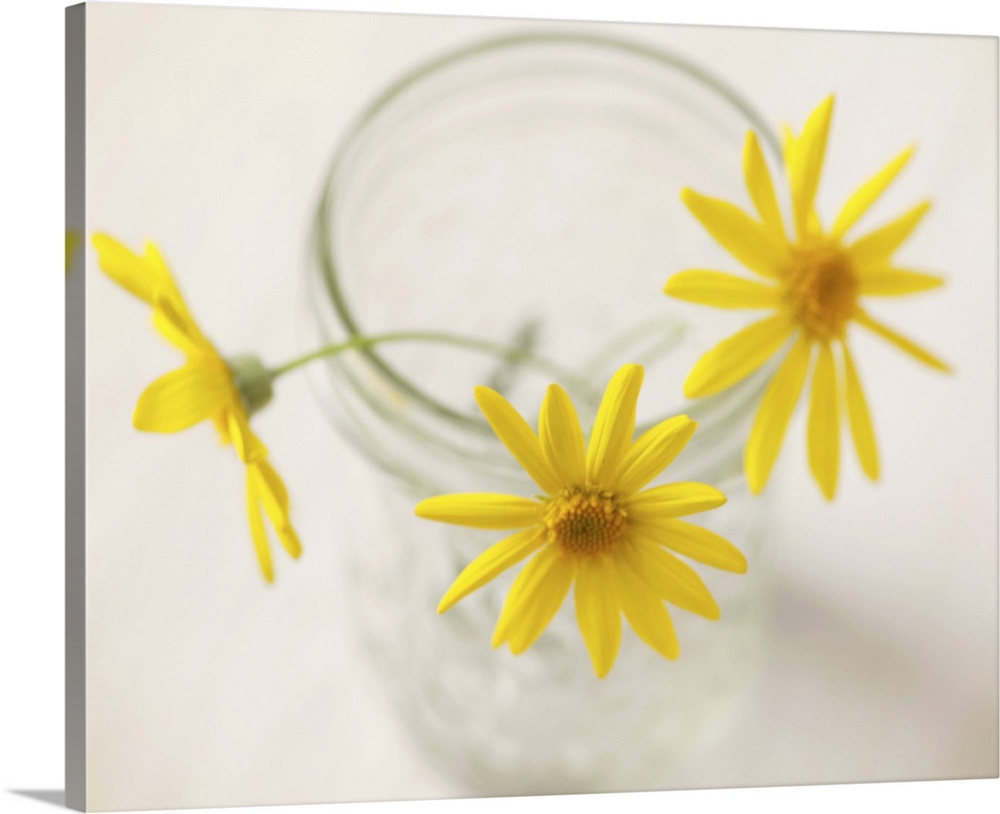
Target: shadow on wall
(56, 797)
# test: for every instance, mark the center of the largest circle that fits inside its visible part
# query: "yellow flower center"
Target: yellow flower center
(821, 289)
(584, 521)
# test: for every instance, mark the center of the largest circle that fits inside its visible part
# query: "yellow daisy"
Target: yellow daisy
(594, 527)
(813, 281)
(206, 386)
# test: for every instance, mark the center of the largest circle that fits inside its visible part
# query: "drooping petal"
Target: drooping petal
(647, 614)
(894, 282)
(248, 446)
(809, 152)
(875, 248)
(739, 234)
(221, 422)
(181, 399)
(859, 418)
(694, 542)
(673, 500)
(274, 496)
(721, 290)
(824, 425)
(868, 193)
(653, 452)
(289, 540)
(171, 326)
(761, 187)
(598, 612)
(257, 531)
(492, 562)
(126, 268)
(615, 423)
(670, 578)
(900, 341)
(534, 598)
(169, 291)
(775, 411)
(562, 437)
(272, 489)
(482, 511)
(737, 357)
(518, 437)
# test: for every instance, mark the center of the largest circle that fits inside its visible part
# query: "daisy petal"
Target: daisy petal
(647, 614)
(824, 427)
(876, 247)
(787, 144)
(775, 411)
(761, 187)
(694, 542)
(809, 152)
(272, 490)
(172, 327)
(721, 290)
(290, 541)
(534, 598)
(673, 500)
(274, 496)
(482, 511)
(653, 452)
(901, 342)
(181, 398)
(868, 193)
(739, 234)
(894, 282)
(493, 561)
(671, 579)
(518, 437)
(257, 531)
(737, 357)
(168, 290)
(126, 268)
(615, 422)
(598, 612)
(248, 446)
(859, 418)
(562, 437)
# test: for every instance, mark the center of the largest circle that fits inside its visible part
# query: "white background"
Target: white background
(32, 582)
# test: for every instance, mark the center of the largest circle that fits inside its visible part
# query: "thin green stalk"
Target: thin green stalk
(568, 377)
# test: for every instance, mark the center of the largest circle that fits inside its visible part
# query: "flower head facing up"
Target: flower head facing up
(595, 528)
(814, 281)
(205, 387)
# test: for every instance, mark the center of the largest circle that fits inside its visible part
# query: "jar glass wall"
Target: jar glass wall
(524, 192)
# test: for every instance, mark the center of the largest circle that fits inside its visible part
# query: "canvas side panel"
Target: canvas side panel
(76, 740)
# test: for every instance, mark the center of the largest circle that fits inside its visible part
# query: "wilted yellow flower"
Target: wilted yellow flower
(813, 280)
(205, 387)
(595, 527)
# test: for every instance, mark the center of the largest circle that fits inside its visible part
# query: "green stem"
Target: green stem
(568, 377)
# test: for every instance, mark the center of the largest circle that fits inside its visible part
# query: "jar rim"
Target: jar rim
(324, 245)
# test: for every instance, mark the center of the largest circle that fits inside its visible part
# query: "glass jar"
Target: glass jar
(524, 192)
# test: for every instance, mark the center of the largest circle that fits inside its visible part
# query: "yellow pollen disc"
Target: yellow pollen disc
(821, 289)
(584, 521)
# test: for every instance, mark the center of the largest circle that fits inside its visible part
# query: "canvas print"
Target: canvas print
(474, 407)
